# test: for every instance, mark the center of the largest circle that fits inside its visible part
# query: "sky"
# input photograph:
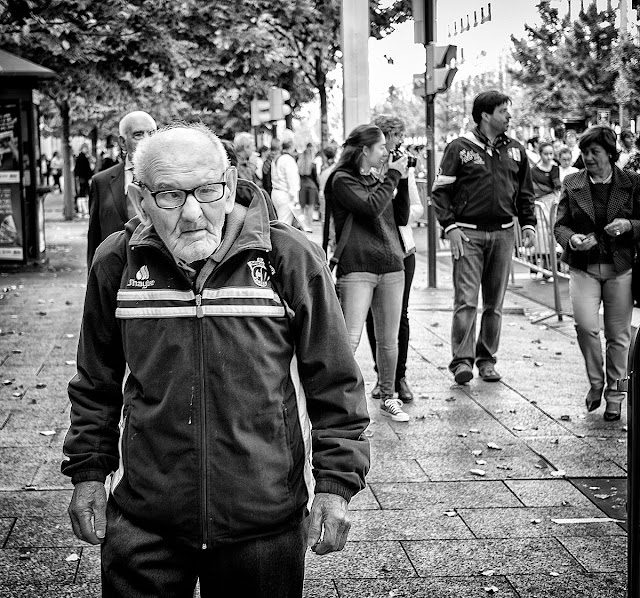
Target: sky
(482, 45)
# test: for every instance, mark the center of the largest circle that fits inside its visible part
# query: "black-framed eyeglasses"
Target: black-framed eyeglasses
(170, 199)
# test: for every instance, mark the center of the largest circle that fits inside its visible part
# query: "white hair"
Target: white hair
(123, 126)
(145, 159)
(242, 141)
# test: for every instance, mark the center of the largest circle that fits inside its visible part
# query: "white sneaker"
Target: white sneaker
(393, 408)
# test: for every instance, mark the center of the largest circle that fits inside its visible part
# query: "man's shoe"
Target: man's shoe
(594, 398)
(462, 373)
(612, 412)
(375, 393)
(403, 390)
(488, 372)
(393, 408)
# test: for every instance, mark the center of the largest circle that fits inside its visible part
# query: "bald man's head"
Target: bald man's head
(134, 127)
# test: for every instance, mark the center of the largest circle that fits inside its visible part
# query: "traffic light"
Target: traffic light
(260, 112)
(423, 21)
(278, 108)
(441, 67)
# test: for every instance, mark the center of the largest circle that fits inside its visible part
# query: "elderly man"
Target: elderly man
(109, 208)
(213, 364)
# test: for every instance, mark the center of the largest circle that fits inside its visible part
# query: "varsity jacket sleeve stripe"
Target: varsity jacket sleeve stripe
(332, 381)
(443, 190)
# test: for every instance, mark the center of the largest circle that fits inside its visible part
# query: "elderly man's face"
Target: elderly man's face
(194, 231)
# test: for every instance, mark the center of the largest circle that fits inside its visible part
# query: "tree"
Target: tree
(567, 66)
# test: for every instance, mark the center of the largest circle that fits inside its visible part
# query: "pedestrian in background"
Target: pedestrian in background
(56, 165)
(598, 226)
(285, 181)
(393, 129)
(565, 163)
(83, 173)
(484, 183)
(309, 186)
(214, 427)
(274, 152)
(247, 158)
(109, 206)
(370, 271)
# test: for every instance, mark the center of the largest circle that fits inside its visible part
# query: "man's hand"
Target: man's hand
(88, 511)
(328, 523)
(457, 239)
(528, 237)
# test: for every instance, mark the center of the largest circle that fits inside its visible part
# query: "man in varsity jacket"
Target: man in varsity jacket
(484, 183)
(216, 385)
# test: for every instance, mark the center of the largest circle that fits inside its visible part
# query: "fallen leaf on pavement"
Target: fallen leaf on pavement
(478, 472)
(494, 446)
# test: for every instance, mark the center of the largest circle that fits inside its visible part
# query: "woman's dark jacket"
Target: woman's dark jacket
(373, 244)
(576, 214)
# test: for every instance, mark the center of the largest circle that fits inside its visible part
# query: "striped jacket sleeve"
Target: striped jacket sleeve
(444, 187)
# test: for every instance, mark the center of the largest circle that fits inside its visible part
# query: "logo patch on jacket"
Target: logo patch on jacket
(470, 156)
(259, 272)
(141, 280)
(514, 154)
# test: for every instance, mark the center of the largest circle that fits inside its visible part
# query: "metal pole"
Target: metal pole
(430, 21)
(633, 463)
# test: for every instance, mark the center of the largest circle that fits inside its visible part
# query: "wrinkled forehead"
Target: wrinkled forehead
(183, 154)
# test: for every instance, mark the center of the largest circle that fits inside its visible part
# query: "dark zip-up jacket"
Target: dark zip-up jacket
(483, 185)
(198, 397)
(373, 244)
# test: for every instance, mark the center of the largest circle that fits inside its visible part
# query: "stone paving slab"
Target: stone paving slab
(361, 560)
(548, 493)
(450, 495)
(598, 555)
(34, 503)
(472, 557)
(536, 522)
(452, 587)
(406, 524)
(570, 586)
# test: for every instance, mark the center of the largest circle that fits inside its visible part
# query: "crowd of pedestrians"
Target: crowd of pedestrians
(213, 330)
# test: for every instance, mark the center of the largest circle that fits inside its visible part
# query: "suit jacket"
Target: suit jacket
(107, 207)
(576, 214)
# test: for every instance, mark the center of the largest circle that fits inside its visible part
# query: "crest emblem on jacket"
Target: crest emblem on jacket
(470, 156)
(259, 272)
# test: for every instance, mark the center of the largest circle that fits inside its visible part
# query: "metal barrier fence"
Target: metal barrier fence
(544, 258)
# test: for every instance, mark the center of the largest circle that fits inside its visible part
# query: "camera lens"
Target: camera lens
(412, 161)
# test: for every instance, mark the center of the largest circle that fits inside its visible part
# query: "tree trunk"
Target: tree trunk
(321, 79)
(69, 209)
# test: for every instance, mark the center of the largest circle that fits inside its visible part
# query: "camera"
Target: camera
(396, 154)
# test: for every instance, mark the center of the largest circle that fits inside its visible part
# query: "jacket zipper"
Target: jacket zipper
(203, 431)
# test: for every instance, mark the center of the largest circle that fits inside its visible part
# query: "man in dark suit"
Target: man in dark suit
(109, 207)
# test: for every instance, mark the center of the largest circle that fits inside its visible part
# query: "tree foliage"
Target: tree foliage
(568, 67)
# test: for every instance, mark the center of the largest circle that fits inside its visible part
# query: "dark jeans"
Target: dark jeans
(486, 262)
(143, 564)
(403, 331)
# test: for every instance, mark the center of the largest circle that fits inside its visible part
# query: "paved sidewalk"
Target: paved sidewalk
(460, 502)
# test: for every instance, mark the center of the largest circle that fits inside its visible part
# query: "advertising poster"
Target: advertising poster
(10, 212)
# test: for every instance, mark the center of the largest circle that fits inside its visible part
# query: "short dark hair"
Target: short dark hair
(603, 136)
(329, 152)
(388, 123)
(544, 144)
(487, 101)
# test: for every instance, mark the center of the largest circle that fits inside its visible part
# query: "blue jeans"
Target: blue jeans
(403, 333)
(601, 284)
(139, 563)
(486, 263)
(359, 291)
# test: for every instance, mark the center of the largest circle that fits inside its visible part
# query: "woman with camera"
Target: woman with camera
(370, 274)
(598, 225)
(393, 129)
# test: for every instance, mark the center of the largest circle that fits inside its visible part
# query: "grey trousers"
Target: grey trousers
(588, 290)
